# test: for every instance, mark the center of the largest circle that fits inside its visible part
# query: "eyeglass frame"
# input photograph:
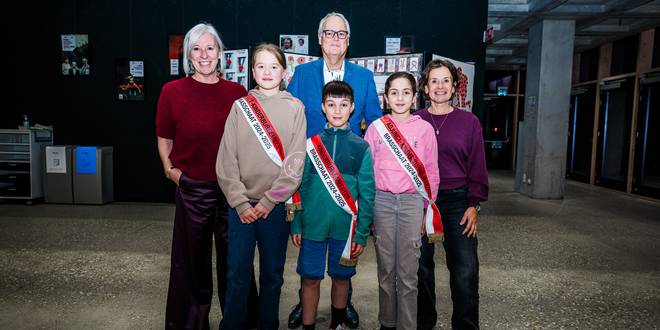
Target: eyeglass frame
(335, 34)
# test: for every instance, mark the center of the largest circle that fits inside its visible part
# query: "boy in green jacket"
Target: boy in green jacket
(337, 194)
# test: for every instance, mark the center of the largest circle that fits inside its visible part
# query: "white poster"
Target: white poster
(237, 66)
(465, 88)
(392, 45)
(55, 159)
(136, 68)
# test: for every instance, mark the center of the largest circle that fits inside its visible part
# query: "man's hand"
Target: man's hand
(470, 216)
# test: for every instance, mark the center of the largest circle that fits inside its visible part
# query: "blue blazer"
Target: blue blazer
(307, 85)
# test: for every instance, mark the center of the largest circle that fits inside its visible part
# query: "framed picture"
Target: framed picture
(399, 44)
(75, 55)
(175, 54)
(292, 43)
(237, 66)
(130, 80)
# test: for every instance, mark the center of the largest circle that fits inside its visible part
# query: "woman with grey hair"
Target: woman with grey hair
(190, 121)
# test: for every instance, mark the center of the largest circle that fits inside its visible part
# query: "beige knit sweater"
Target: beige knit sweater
(244, 170)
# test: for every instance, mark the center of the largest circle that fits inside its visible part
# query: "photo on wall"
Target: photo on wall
(292, 43)
(130, 80)
(237, 67)
(175, 54)
(75, 55)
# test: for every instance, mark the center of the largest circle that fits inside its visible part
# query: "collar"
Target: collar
(336, 131)
(330, 75)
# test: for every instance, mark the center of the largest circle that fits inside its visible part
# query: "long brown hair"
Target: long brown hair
(276, 51)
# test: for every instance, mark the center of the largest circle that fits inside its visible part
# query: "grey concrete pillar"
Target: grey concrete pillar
(547, 93)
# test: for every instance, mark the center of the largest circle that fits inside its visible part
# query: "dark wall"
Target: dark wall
(84, 110)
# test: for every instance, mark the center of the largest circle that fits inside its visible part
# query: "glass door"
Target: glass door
(580, 133)
(616, 103)
(646, 177)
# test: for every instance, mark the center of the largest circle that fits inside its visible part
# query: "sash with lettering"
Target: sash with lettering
(269, 140)
(337, 188)
(414, 167)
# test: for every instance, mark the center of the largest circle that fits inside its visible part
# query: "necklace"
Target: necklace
(437, 129)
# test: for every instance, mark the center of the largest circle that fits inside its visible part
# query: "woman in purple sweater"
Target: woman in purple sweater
(463, 185)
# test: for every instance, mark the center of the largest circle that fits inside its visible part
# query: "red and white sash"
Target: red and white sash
(337, 188)
(268, 138)
(414, 167)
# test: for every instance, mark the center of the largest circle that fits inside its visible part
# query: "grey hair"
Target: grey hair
(191, 39)
(348, 26)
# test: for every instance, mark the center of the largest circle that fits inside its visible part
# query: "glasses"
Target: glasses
(332, 33)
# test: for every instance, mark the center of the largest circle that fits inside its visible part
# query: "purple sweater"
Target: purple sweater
(461, 155)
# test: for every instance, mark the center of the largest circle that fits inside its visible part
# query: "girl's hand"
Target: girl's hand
(470, 216)
(260, 211)
(295, 239)
(248, 216)
(356, 249)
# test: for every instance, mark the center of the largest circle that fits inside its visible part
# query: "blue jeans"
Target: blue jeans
(270, 236)
(462, 263)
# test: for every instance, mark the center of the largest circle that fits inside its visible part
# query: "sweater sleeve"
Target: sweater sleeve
(431, 160)
(226, 165)
(371, 136)
(366, 194)
(477, 172)
(292, 167)
(164, 118)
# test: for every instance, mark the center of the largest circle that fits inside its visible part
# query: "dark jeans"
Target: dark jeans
(271, 237)
(201, 214)
(462, 263)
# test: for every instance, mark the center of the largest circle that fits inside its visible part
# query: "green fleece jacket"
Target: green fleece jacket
(321, 217)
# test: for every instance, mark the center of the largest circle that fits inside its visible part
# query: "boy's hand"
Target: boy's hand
(356, 249)
(260, 211)
(248, 216)
(295, 239)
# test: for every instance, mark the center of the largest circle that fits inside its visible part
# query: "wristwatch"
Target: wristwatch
(478, 208)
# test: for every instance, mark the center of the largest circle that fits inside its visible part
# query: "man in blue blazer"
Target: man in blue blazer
(307, 85)
(309, 78)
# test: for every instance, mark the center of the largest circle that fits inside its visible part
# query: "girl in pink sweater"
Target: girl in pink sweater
(405, 157)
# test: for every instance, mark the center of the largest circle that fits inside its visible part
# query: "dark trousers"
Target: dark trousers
(462, 263)
(201, 214)
(270, 235)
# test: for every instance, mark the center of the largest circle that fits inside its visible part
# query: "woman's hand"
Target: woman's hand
(470, 216)
(356, 250)
(175, 175)
(295, 239)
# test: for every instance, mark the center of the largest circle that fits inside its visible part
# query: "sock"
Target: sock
(338, 315)
(309, 326)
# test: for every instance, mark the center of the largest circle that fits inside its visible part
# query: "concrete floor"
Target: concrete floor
(591, 260)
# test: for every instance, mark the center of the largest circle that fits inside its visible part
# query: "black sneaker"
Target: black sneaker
(352, 318)
(295, 318)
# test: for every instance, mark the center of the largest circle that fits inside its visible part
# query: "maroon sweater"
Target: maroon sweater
(193, 114)
(461, 156)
